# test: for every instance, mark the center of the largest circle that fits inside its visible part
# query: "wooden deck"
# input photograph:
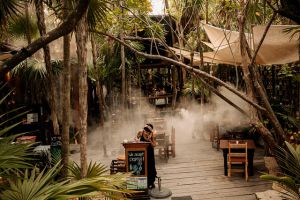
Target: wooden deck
(197, 171)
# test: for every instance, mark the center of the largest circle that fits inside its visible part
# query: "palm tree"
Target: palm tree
(66, 98)
(47, 59)
(81, 41)
(289, 161)
(93, 16)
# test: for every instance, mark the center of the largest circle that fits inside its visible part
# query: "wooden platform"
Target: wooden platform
(197, 171)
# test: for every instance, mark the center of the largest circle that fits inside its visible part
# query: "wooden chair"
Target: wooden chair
(237, 155)
(162, 145)
(171, 148)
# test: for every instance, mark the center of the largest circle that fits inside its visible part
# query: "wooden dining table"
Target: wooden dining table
(250, 152)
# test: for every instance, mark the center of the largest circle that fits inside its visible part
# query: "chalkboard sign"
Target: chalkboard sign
(136, 162)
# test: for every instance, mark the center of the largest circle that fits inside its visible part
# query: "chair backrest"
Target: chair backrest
(237, 149)
(161, 139)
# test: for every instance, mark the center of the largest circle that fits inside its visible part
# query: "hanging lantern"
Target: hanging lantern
(7, 76)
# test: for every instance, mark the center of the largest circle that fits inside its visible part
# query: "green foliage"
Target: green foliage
(188, 88)
(225, 12)
(255, 12)
(94, 170)
(33, 74)
(141, 6)
(35, 185)
(107, 70)
(289, 162)
(131, 19)
(96, 13)
(154, 30)
(8, 10)
(31, 69)
(20, 26)
(295, 30)
(284, 115)
(111, 185)
(286, 71)
(12, 156)
(41, 186)
(186, 12)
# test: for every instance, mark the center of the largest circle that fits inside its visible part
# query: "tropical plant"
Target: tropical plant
(21, 25)
(12, 156)
(108, 182)
(289, 162)
(194, 88)
(8, 10)
(35, 185)
(33, 74)
(41, 186)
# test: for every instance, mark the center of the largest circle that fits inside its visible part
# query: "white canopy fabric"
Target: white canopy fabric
(278, 47)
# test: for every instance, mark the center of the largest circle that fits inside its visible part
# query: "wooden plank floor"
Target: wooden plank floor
(197, 171)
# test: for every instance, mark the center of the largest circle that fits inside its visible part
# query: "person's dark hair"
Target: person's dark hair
(148, 128)
(150, 125)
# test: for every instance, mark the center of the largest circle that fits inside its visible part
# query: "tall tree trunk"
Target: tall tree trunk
(174, 97)
(206, 11)
(250, 85)
(99, 93)
(170, 22)
(261, 91)
(199, 45)
(123, 69)
(28, 34)
(181, 46)
(246, 72)
(81, 41)
(66, 99)
(47, 58)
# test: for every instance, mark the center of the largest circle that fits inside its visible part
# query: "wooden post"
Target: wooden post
(173, 71)
(123, 97)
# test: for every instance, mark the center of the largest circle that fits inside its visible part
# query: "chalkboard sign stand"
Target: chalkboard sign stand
(136, 161)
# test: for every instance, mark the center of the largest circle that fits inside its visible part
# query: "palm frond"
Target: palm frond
(33, 185)
(9, 9)
(289, 162)
(21, 25)
(14, 116)
(3, 98)
(12, 156)
(110, 185)
(294, 30)
(32, 69)
(290, 188)
(94, 170)
(96, 14)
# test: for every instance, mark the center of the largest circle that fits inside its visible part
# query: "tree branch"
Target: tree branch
(223, 97)
(197, 71)
(65, 28)
(151, 39)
